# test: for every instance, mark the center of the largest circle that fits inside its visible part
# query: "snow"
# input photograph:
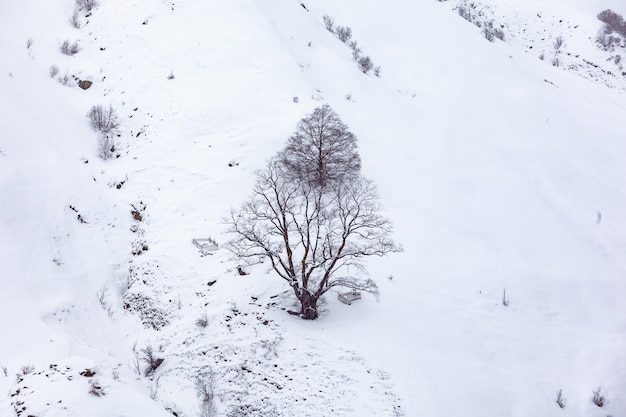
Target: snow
(499, 171)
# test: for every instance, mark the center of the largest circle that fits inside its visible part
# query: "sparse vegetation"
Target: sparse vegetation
(29, 43)
(598, 399)
(558, 44)
(53, 70)
(66, 79)
(205, 389)
(69, 48)
(151, 361)
(102, 295)
(202, 321)
(87, 5)
(560, 399)
(75, 20)
(329, 23)
(505, 299)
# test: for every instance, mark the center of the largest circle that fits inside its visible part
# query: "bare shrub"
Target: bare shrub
(491, 31)
(344, 33)
(598, 399)
(465, 12)
(54, 70)
(75, 20)
(558, 44)
(103, 119)
(560, 399)
(69, 48)
(105, 151)
(24, 370)
(356, 50)
(29, 43)
(87, 5)
(66, 79)
(329, 23)
(5, 370)
(103, 293)
(377, 71)
(152, 362)
(171, 75)
(205, 389)
(202, 321)
(365, 64)
(505, 299)
(27, 369)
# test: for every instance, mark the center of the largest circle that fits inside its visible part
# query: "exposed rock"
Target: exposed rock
(84, 84)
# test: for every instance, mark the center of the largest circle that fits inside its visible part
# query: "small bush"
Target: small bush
(598, 399)
(69, 48)
(65, 79)
(54, 70)
(88, 5)
(151, 361)
(365, 64)
(103, 120)
(560, 399)
(202, 321)
(465, 13)
(29, 43)
(95, 388)
(329, 23)
(171, 76)
(344, 33)
(75, 20)
(205, 389)
(356, 50)
(377, 71)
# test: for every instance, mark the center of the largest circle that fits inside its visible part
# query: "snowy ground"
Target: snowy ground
(498, 170)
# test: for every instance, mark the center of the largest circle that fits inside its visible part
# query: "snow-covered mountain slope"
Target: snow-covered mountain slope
(499, 170)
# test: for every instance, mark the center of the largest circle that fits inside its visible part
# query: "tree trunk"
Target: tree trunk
(309, 306)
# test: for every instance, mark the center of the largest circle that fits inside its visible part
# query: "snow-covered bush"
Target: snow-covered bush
(69, 48)
(598, 399)
(365, 64)
(149, 358)
(106, 146)
(329, 23)
(54, 70)
(88, 5)
(491, 31)
(344, 33)
(75, 20)
(103, 119)
(95, 388)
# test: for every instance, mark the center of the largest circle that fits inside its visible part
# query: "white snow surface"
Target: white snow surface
(499, 171)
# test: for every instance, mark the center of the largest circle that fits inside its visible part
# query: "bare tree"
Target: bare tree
(310, 233)
(321, 151)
